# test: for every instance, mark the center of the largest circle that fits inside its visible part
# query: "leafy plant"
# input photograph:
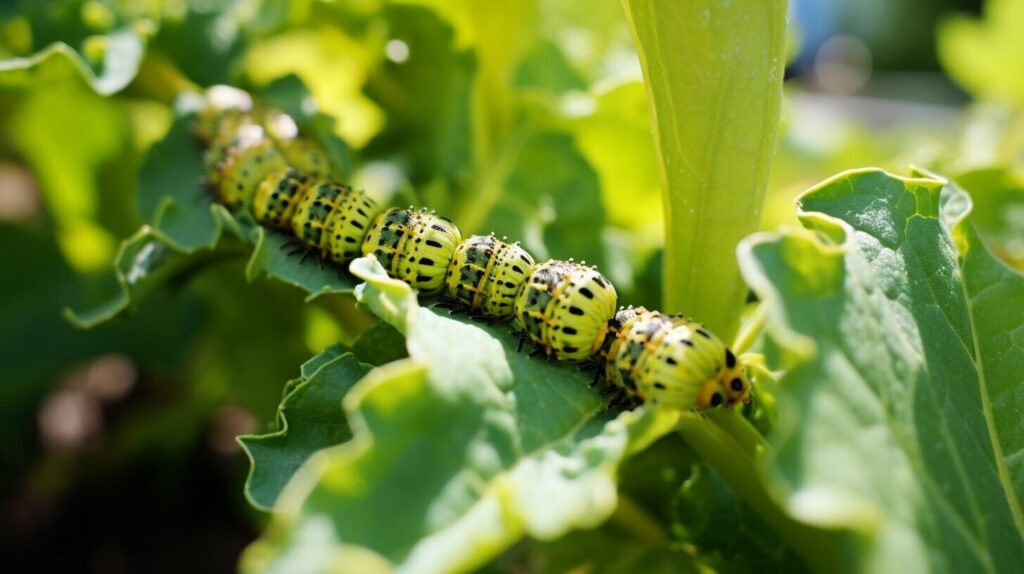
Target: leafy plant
(884, 337)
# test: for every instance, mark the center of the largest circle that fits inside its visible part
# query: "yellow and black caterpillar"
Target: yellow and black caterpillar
(258, 162)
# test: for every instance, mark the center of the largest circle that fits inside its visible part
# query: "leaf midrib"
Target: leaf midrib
(986, 409)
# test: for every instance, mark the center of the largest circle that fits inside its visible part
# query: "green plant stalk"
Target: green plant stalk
(713, 73)
(728, 443)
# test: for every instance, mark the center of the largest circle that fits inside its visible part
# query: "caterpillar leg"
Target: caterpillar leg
(293, 248)
(451, 305)
(540, 351)
(616, 399)
(523, 337)
(481, 317)
(289, 243)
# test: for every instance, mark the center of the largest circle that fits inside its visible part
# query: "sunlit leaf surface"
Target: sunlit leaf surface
(899, 415)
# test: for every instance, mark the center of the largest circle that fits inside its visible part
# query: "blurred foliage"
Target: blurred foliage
(529, 119)
(986, 55)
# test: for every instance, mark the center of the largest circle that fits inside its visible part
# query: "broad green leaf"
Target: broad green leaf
(899, 413)
(203, 39)
(271, 257)
(544, 67)
(600, 551)
(713, 73)
(457, 452)
(675, 514)
(309, 419)
(310, 367)
(171, 186)
(731, 536)
(380, 344)
(986, 55)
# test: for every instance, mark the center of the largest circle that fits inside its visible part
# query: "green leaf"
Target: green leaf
(601, 551)
(899, 413)
(171, 188)
(271, 258)
(187, 229)
(731, 536)
(310, 367)
(309, 419)
(713, 73)
(144, 261)
(204, 40)
(59, 62)
(457, 452)
(675, 514)
(380, 344)
(986, 55)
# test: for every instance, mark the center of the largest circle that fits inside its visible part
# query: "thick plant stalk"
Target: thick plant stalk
(713, 71)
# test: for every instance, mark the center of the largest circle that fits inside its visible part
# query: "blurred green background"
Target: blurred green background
(117, 449)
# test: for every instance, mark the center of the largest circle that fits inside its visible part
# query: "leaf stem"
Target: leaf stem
(713, 74)
(727, 442)
(749, 331)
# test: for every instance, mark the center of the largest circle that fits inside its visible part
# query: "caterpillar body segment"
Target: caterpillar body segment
(246, 166)
(564, 308)
(672, 361)
(277, 197)
(349, 225)
(486, 273)
(414, 246)
(317, 204)
(632, 334)
(333, 219)
(308, 157)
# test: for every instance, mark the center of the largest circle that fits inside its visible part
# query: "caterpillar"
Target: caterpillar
(672, 361)
(258, 163)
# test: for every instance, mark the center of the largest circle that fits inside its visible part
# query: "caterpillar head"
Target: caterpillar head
(735, 381)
